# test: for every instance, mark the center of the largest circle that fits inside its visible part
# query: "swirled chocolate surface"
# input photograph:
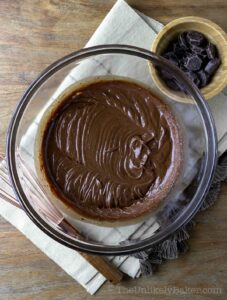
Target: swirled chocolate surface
(112, 150)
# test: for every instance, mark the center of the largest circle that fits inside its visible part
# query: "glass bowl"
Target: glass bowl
(186, 196)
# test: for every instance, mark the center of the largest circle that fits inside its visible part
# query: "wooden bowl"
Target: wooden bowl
(214, 34)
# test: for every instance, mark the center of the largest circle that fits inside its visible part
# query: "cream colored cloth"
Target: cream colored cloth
(122, 25)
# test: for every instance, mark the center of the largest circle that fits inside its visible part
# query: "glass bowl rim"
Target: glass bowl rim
(185, 216)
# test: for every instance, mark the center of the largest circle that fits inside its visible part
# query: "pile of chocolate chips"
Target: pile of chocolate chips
(194, 54)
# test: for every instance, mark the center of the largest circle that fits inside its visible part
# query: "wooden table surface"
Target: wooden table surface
(33, 34)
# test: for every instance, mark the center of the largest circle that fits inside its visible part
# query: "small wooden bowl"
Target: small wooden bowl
(214, 34)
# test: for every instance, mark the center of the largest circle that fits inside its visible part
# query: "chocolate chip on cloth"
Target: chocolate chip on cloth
(195, 55)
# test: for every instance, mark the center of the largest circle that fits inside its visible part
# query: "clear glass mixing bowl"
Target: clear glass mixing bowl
(199, 159)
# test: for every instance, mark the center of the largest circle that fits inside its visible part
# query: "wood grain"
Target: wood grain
(33, 34)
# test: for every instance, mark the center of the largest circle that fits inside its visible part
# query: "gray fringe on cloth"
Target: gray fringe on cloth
(176, 244)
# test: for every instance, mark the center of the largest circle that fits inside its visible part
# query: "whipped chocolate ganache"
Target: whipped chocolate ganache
(111, 150)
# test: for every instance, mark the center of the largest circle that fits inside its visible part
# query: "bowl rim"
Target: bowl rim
(166, 29)
(187, 214)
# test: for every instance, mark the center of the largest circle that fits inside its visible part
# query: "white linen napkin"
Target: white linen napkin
(126, 26)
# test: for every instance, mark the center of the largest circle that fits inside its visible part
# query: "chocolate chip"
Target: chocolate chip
(171, 57)
(211, 51)
(197, 81)
(182, 40)
(192, 62)
(204, 78)
(195, 55)
(195, 37)
(173, 84)
(174, 47)
(212, 66)
(197, 50)
(204, 59)
(193, 77)
(203, 56)
(182, 67)
(165, 74)
(179, 52)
